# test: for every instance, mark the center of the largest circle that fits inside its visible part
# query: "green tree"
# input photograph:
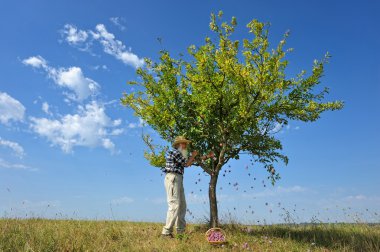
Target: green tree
(228, 97)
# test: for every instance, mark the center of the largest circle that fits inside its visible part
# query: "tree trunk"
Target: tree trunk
(214, 221)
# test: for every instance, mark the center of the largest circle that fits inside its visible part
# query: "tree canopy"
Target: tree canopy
(228, 96)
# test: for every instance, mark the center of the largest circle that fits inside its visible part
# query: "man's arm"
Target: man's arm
(209, 155)
(191, 159)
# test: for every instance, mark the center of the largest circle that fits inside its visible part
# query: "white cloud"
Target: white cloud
(118, 22)
(117, 122)
(122, 200)
(15, 147)
(104, 67)
(5, 164)
(140, 124)
(35, 61)
(108, 40)
(291, 189)
(117, 132)
(355, 201)
(280, 128)
(71, 78)
(36, 205)
(74, 36)
(193, 198)
(116, 48)
(108, 144)
(277, 191)
(39, 98)
(45, 108)
(277, 128)
(88, 127)
(355, 197)
(10, 109)
(132, 125)
(158, 200)
(225, 198)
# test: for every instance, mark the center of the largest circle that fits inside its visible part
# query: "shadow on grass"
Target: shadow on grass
(351, 237)
(355, 237)
(336, 236)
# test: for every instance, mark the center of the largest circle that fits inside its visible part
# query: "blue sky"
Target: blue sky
(68, 149)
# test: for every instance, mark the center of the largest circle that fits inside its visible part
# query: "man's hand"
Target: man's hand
(194, 153)
(191, 158)
(209, 155)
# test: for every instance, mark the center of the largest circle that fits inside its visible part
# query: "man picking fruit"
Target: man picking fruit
(176, 160)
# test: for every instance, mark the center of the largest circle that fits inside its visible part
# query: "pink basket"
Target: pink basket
(215, 230)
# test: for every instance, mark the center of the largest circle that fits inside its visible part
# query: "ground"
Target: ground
(37, 234)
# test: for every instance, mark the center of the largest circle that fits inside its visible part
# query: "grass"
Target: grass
(37, 234)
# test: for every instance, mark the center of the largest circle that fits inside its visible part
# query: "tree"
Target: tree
(228, 97)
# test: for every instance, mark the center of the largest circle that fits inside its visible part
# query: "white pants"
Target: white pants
(175, 196)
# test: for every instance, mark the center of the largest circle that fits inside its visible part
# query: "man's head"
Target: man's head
(182, 147)
(181, 144)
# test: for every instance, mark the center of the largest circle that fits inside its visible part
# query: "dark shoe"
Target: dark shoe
(167, 236)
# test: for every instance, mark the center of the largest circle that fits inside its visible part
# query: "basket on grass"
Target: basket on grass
(216, 236)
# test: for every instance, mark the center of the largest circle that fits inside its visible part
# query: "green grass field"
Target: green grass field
(38, 234)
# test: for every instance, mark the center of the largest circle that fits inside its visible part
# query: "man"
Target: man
(176, 160)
